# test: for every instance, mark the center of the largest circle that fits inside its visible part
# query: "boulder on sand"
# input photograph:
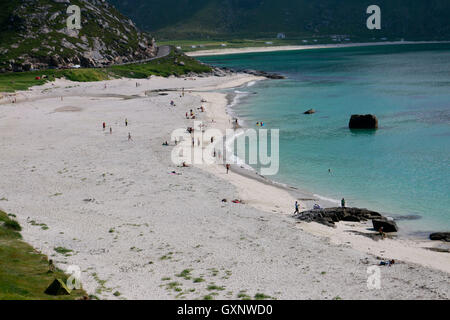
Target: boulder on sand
(387, 225)
(368, 121)
(444, 236)
(310, 111)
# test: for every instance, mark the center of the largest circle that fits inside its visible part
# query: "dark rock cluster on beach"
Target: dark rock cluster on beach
(443, 236)
(330, 216)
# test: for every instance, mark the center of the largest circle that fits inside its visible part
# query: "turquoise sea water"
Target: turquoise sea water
(401, 169)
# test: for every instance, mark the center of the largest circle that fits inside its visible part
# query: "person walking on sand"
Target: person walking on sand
(343, 203)
(129, 137)
(104, 126)
(228, 167)
(296, 208)
(110, 130)
(126, 122)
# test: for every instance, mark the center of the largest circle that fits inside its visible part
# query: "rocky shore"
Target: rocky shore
(224, 72)
(330, 216)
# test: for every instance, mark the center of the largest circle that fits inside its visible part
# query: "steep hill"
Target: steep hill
(410, 19)
(34, 35)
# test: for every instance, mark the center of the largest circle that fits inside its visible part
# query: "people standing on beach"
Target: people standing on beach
(126, 122)
(212, 139)
(104, 126)
(182, 92)
(110, 130)
(228, 167)
(343, 203)
(296, 208)
(129, 137)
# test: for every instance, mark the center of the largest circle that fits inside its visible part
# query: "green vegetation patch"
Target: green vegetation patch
(24, 272)
(262, 296)
(186, 274)
(62, 250)
(213, 287)
(176, 64)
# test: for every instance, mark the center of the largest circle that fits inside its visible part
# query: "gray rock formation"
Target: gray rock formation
(443, 236)
(330, 216)
(106, 37)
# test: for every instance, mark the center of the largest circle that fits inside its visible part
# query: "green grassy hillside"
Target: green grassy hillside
(225, 19)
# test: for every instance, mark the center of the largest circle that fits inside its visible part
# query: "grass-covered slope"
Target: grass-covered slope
(24, 272)
(183, 19)
(176, 63)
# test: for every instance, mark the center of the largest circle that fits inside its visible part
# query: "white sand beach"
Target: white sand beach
(133, 227)
(273, 48)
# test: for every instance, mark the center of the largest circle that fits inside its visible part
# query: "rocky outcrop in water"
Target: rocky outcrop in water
(224, 71)
(368, 121)
(268, 75)
(310, 111)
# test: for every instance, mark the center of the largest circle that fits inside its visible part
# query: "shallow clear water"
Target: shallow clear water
(402, 168)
